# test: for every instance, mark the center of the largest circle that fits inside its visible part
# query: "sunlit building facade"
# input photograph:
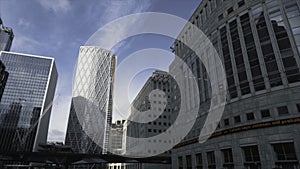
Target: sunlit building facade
(115, 145)
(26, 102)
(258, 42)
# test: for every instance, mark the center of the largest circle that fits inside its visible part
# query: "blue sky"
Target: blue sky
(57, 28)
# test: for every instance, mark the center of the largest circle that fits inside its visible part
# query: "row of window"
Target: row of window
(284, 153)
(159, 102)
(201, 18)
(159, 123)
(230, 10)
(265, 113)
(156, 130)
(160, 117)
(267, 46)
(268, 65)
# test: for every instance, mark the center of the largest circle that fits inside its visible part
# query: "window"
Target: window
(250, 116)
(283, 41)
(298, 107)
(265, 113)
(293, 14)
(220, 17)
(237, 119)
(285, 151)
(196, 20)
(251, 156)
(227, 158)
(211, 161)
(282, 110)
(180, 163)
(219, 3)
(207, 10)
(241, 3)
(188, 162)
(212, 5)
(226, 122)
(266, 47)
(149, 130)
(199, 161)
(237, 50)
(228, 65)
(230, 10)
(258, 80)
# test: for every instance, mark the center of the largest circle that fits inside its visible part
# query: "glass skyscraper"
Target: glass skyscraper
(3, 79)
(91, 106)
(6, 37)
(26, 102)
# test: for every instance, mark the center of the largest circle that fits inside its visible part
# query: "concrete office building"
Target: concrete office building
(116, 143)
(26, 102)
(258, 42)
(91, 106)
(116, 137)
(143, 102)
(6, 37)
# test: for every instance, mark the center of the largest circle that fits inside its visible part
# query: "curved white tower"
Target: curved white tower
(91, 107)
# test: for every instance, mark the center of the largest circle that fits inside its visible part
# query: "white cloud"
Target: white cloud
(23, 23)
(116, 9)
(21, 43)
(56, 5)
(60, 110)
(56, 135)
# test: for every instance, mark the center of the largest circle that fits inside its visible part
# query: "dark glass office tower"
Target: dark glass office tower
(91, 107)
(3, 79)
(26, 102)
(6, 37)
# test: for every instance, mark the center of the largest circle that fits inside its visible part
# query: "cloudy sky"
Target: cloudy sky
(57, 28)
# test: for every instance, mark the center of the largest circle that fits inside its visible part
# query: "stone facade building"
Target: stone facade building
(258, 42)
